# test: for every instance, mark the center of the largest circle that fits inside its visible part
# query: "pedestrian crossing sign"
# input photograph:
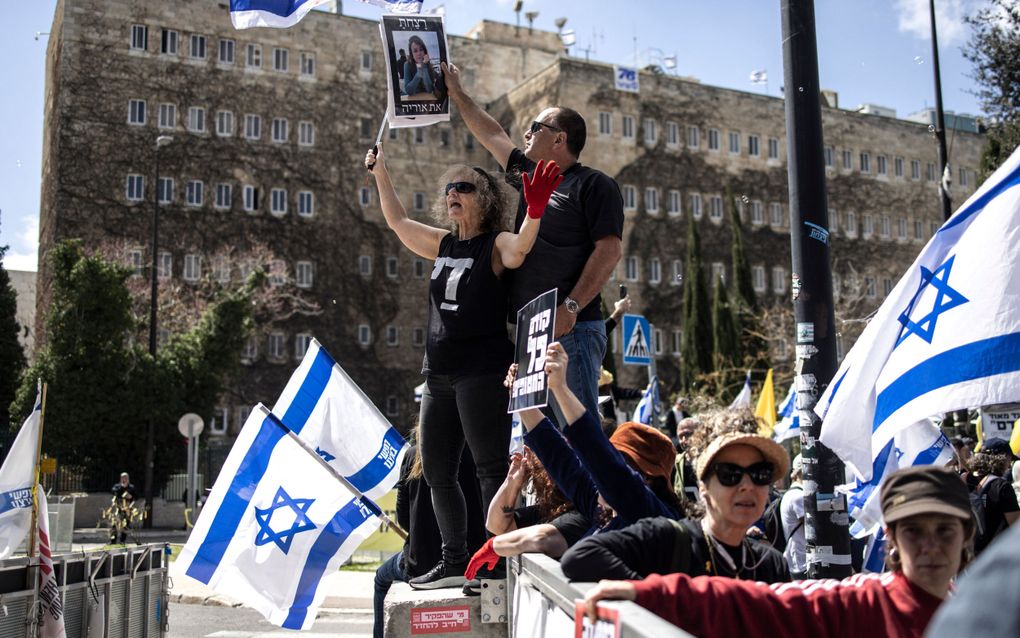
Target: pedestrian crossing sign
(636, 338)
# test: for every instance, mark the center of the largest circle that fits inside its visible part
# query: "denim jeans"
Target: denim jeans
(387, 574)
(585, 346)
(455, 409)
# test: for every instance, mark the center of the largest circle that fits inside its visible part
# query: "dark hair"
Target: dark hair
(982, 464)
(493, 199)
(550, 500)
(572, 124)
(416, 40)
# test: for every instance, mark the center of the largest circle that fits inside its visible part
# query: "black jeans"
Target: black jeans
(455, 409)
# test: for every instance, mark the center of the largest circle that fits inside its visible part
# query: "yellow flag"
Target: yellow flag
(980, 435)
(1014, 439)
(766, 409)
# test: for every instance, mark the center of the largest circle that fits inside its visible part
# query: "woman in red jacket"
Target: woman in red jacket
(928, 525)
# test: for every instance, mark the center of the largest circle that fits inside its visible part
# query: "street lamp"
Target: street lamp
(161, 141)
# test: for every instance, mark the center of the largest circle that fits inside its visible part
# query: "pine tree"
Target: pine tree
(12, 356)
(696, 349)
(754, 349)
(726, 341)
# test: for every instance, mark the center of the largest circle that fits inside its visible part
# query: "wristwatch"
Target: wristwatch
(571, 306)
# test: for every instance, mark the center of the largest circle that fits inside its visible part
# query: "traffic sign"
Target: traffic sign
(636, 339)
(190, 425)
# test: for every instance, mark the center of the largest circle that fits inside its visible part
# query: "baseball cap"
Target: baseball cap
(924, 489)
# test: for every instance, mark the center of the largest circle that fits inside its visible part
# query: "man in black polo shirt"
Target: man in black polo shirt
(579, 241)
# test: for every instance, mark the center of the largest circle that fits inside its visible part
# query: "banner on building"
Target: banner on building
(535, 324)
(414, 46)
(626, 79)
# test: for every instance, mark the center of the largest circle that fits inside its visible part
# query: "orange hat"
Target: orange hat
(647, 448)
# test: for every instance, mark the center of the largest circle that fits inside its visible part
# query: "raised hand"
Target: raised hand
(374, 157)
(485, 556)
(556, 361)
(539, 186)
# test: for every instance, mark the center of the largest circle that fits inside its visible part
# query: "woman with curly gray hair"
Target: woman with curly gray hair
(467, 351)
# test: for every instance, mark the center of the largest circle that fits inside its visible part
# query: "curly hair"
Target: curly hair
(720, 422)
(550, 500)
(495, 198)
(982, 464)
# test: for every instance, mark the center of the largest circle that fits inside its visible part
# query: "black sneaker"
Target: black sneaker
(440, 576)
(473, 587)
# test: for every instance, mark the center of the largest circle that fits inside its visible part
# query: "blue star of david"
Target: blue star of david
(946, 299)
(283, 538)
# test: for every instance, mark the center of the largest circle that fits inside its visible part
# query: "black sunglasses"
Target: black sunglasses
(536, 126)
(730, 474)
(461, 187)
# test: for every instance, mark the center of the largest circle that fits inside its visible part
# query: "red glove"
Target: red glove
(485, 556)
(539, 187)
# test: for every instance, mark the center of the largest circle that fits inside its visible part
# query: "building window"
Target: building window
(192, 267)
(193, 193)
(252, 126)
(963, 176)
(774, 149)
(139, 37)
(651, 135)
(135, 190)
(224, 123)
(851, 224)
(901, 228)
(418, 338)
(166, 265)
(713, 139)
(779, 280)
(196, 119)
(654, 271)
(848, 160)
(868, 225)
(886, 286)
(830, 157)
(306, 133)
(652, 200)
(251, 198)
(253, 59)
(865, 162)
(885, 227)
(833, 221)
(628, 127)
(776, 215)
(718, 272)
(678, 340)
(758, 278)
(672, 134)
(629, 197)
(930, 173)
(605, 123)
(302, 342)
(418, 201)
(168, 116)
(281, 59)
(869, 287)
(220, 421)
(168, 42)
(734, 143)
(695, 205)
(365, 196)
(308, 64)
(693, 137)
(715, 211)
(223, 196)
(250, 350)
(673, 205)
(391, 267)
(933, 227)
(165, 190)
(279, 129)
(630, 269)
(392, 336)
(276, 345)
(757, 213)
(880, 165)
(303, 274)
(135, 261)
(918, 229)
(305, 203)
(657, 341)
(278, 201)
(136, 112)
(677, 276)
(915, 170)
(753, 143)
(365, 265)
(898, 167)
(226, 52)
(197, 47)
(419, 267)
(366, 60)
(364, 334)
(419, 135)
(221, 270)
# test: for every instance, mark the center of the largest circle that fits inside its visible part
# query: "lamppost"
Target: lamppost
(161, 141)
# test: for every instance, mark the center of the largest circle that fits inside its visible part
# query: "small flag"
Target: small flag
(789, 424)
(759, 77)
(874, 555)
(645, 411)
(17, 476)
(51, 624)
(245, 14)
(743, 399)
(766, 408)
(275, 523)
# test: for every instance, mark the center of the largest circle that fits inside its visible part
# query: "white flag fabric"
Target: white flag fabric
(275, 523)
(759, 77)
(51, 624)
(400, 6)
(743, 399)
(245, 14)
(646, 406)
(323, 406)
(789, 423)
(17, 476)
(946, 338)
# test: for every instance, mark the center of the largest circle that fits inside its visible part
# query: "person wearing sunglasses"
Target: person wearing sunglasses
(579, 243)
(734, 474)
(928, 525)
(467, 351)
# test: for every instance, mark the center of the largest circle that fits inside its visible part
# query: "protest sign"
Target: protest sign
(998, 421)
(626, 79)
(414, 47)
(607, 623)
(535, 323)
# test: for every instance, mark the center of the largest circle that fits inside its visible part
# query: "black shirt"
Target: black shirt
(584, 208)
(999, 499)
(467, 310)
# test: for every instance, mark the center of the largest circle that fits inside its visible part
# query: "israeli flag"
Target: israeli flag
(921, 443)
(245, 14)
(947, 337)
(323, 406)
(646, 406)
(874, 554)
(399, 6)
(789, 419)
(743, 399)
(17, 476)
(275, 523)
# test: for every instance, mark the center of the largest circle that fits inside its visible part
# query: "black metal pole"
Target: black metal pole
(150, 438)
(826, 522)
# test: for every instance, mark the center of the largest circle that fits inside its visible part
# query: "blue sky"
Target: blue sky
(869, 51)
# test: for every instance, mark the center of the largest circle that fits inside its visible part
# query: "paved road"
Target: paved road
(205, 621)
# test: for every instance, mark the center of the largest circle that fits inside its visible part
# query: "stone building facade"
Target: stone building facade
(270, 126)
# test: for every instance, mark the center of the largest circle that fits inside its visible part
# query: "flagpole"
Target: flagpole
(38, 452)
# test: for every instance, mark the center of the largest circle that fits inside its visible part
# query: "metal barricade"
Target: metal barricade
(117, 593)
(542, 603)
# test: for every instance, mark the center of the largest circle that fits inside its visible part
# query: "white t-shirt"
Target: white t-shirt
(791, 509)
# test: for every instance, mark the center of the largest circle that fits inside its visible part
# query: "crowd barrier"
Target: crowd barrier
(117, 593)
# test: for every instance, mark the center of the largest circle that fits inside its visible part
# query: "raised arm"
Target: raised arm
(419, 238)
(538, 188)
(486, 130)
(500, 519)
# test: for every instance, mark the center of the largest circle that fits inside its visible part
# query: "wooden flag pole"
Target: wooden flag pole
(38, 452)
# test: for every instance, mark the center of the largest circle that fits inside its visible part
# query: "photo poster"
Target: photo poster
(535, 324)
(607, 622)
(416, 95)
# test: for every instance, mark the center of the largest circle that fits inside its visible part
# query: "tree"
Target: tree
(104, 385)
(12, 356)
(754, 349)
(725, 339)
(994, 50)
(696, 349)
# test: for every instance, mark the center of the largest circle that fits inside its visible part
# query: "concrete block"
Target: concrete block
(410, 612)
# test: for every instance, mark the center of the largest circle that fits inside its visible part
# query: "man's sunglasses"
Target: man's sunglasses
(536, 126)
(461, 187)
(730, 474)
